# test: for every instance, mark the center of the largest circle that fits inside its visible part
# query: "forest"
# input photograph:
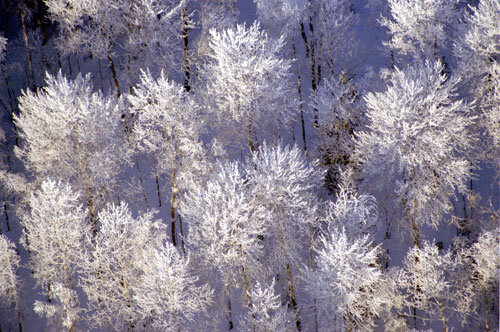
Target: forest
(249, 165)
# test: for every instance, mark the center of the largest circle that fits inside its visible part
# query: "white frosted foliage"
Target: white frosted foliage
(267, 313)
(417, 137)
(226, 222)
(485, 256)
(9, 263)
(168, 293)
(281, 15)
(115, 264)
(167, 126)
(479, 47)
(55, 233)
(247, 80)
(356, 214)
(283, 182)
(346, 281)
(71, 133)
(419, 26)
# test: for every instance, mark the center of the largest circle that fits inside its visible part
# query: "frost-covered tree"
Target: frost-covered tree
(419, 27)
(247, 84)
(72, 134)
(478, 47)
(268, 313)
(215, 14)
(281, 17)
(226, 222)
(168, 127)
(168, 293)
(482, 267)
(154, 33)
(335, 102)
(283, 182)
(478, 52)
(55, 233)
(142, 30)
(427, 278)
(346, 282)
(10, 263)
(115, 264)
(491, 115)
(417, 137)
(86, 26)
(355, 214)
(337, 45)
(9, 281)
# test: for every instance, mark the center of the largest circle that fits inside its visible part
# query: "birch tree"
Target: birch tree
(226, 222)
(72, 134)
(417, 137)
(140, 29)
(338, 46)
(481, 264)
(419, 28)
(477, 51)
(427, 277)
(115, 264)
(9, 281)
(168, 127)
(346, 282)
(268, 313)
(169, 293)
(336, 104)
(55, 230)
(281, 17)
(283, 182)
(247, 82)
(354, 214)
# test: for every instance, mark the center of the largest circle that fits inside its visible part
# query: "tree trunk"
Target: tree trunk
(416, 233)
(229, 311)
(49, 293)
(310, 259)
(70, 67)
(185, 38)
(414, 225)
(486, 313)
(250, 134)
(299, 91)
(139, 173)
(93, 217)
(157, 179)
(19, 319)
(31, 74)
(293, 299)
(441, 311)
(314, 80)
(6, 212)
(115, 77)
(172, 206)
(291, 289)
(304, 38)
(183, 244)
(10, 110)
(246, 286)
